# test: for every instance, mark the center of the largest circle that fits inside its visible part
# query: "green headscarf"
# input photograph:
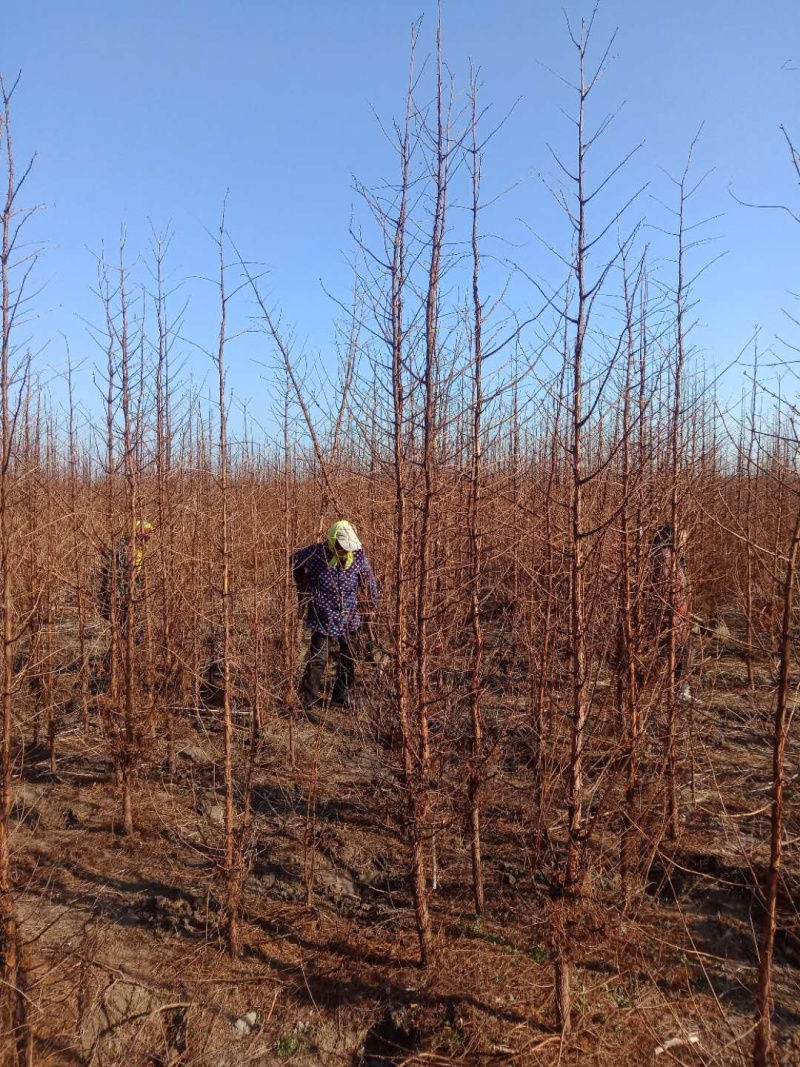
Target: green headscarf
(345, 558)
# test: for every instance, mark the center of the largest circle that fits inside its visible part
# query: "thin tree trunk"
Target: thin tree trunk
(421, 784)
(763, 1034)
(575, 786)
(673, 806)
(626, 667)
(475, 533)
(232, 875)
(11, 962)
(130, 738)
(412, 746)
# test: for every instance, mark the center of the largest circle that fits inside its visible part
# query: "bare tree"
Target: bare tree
(475, 518)
(16, 265)
(763, 1034)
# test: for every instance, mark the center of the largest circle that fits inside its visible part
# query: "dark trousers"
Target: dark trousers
(317, 661)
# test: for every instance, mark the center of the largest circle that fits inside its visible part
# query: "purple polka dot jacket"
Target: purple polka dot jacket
(330, 594)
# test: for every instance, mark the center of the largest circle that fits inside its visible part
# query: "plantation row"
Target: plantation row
(511, 487)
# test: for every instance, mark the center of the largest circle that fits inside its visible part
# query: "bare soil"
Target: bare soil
(125, 955)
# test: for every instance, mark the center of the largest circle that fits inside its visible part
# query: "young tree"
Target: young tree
(476, 550)
(587, 378)
(16, 265)
(763, 1033)
(233, 875)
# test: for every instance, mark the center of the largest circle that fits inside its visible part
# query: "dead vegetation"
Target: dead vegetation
(127, 935)
(526, 845)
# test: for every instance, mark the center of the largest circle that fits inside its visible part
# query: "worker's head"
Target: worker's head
(142, 529)
(343, 541)
(342, 536)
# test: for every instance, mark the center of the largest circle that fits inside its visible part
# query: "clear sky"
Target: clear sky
(153, 110)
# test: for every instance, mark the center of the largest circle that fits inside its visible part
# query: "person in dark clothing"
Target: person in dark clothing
(329, 576)
(121, 563)
(671, 605)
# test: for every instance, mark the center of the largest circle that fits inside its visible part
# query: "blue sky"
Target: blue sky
(153, 111)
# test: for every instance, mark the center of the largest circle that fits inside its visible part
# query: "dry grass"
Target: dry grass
(127, 962)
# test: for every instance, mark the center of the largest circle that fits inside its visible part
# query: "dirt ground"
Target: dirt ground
(126, 963)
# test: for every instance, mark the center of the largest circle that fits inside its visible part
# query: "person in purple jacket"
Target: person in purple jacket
(329, 576)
